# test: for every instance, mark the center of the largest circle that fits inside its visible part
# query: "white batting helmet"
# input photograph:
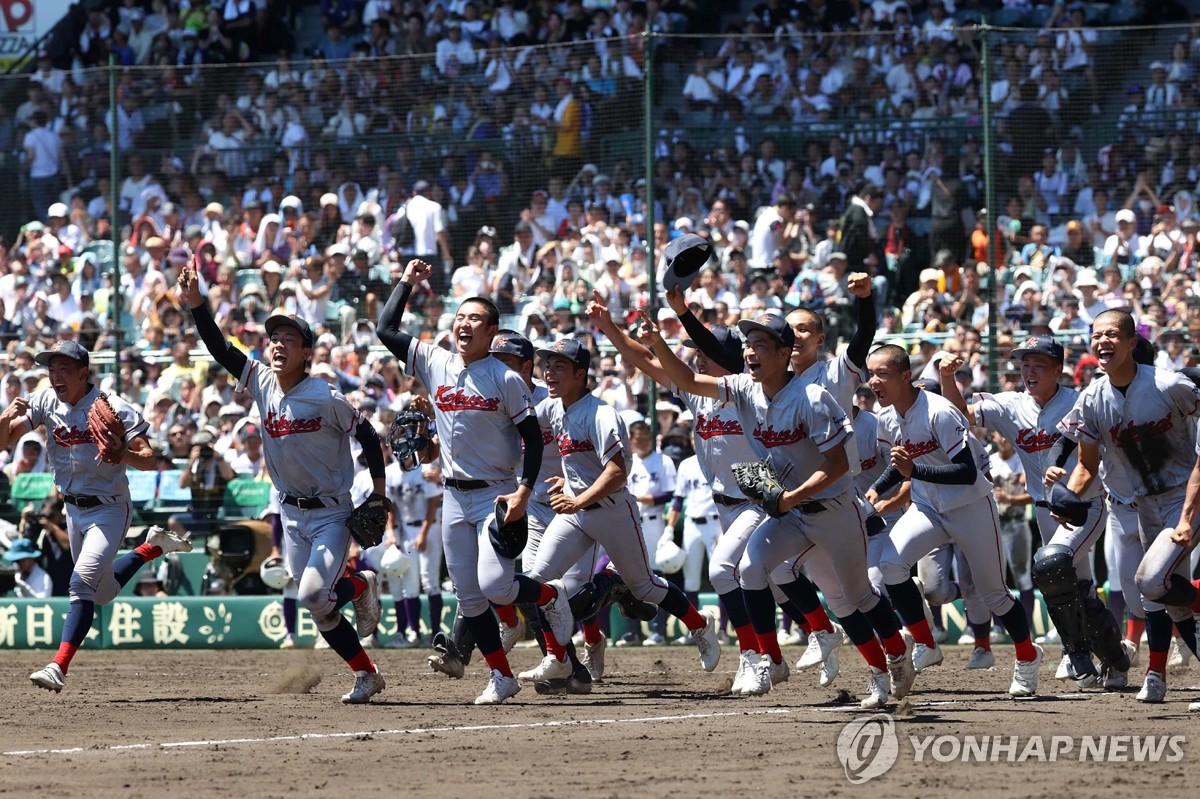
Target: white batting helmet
(395, 562)
(668, 557)
(274, 574)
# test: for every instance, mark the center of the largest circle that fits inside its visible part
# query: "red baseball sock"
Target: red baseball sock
(1025, 650)
(66, 651)
(694, 620)
(1134, 627)
(818, 621)
(591, 632)
(359, 584)
(747, 638)
(148, 553)
(553, 646)
(361, 662)
(803, 625)
(1158, 662)
(508, 615)
(984, 641)
(872, 652)
(547, 596)
(768, 644)
(893, 645)
(499, 661)
(1196, 602)
(921, 633)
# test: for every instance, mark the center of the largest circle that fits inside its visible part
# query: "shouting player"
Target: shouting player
(307, 453)
(96, 491)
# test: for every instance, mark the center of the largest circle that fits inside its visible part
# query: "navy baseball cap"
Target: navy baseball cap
(570, 348)
(510, 342)
(685, 257)
(290, 320)
(1042, 345)
(68, 349)
(729, 349)
(773, 325)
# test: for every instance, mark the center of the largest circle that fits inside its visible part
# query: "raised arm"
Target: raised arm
(231, 358)
(12, 422)
(700, 335)
(632, 351)
(859, 284)
(947, 369)
(388, 326)
(678, 372)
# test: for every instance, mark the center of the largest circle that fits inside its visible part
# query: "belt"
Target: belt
(703, 519)
(305, 503)
(466, 485)
(653, 518)
(1041, 503)
(83, 503)
(414, 524)
(727, 501)
(812, 506)
(593, 506)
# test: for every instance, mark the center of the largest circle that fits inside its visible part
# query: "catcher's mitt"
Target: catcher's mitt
(107, 430)
(759, 483)
(368, 521)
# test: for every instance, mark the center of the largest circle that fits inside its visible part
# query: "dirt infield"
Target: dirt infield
(208, 723)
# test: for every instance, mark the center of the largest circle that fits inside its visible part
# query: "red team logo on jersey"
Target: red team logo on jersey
(1131, 433)
(916, 449)
(547, 438)
(1030, 440)
(449, 398)
(71, 436)
(868, 464)
(279, 426)
(710, 427)
(780, 438)
(568, 445)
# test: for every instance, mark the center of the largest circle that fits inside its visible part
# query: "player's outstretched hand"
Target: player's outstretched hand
(948, 365)
(859, 284)
(556, 484)
(18, 408)
(416, 271)
(677, 301)
(189, 286)
(598, 312)
(648, 333)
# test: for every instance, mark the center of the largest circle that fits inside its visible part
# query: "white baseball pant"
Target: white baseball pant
(1158, 515)
(1017, 540)
(875, 547)
(699, 537)
(318, 548)
(1123, 552)
(540, 517)
(737, 523)
(940, 571)
(480, 576)
(96, 535)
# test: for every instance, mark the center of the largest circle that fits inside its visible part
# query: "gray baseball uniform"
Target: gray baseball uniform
(95, 533)
(1164, 557)
(477, 407)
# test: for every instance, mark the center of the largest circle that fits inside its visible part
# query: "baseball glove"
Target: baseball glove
(760, 483)
(102, 420)
(368, 521)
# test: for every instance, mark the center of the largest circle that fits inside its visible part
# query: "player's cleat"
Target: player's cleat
(628, 639)
(1051, 637)
(1180, 659)
(498, 689)
(1133, 649)
(558, 613)
(780, 671)
(167, 541)
(820, 644)
(940, 635)
(446, 658)
(1116, 680)
(708, 642)
(877, 690)
(654, 639)
(684, 640)
(966, 639)
(924, 657)
(510, 635)
(747, 660)
(288, 642)
(51, 678)
(830, 668)
(593, 658)
(758, 678)
(320, 643)
(366, 605)
(1065, 670)
(980, 659)
(399, 641)
(901, 668)
(1154, 689)
(1083, 670)
(792, 638)
(577, 684)
(366, 685)
(1025, 675)
(551, 668)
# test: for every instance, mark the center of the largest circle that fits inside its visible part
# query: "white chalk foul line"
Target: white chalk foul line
(318, 736)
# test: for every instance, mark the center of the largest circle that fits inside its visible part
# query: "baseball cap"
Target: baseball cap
(278, 320)
(571, 349)
(1125, 215)
(729, 349)
(510, 342)
(57, 209)
(1042, 345)
(773, 325)
(1086, 277)
(68, 349)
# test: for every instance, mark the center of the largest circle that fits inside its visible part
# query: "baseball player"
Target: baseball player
(652, 483)
(1061, 568)
(516, 352)
(593, 504)
(951, 501)
(484, 417)
(800, 430)
(700, 523)
(96, 491)
(307, 453)
(1140, 422)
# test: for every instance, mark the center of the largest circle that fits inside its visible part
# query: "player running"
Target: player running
(484, 417)
(307, 453)
(96, 491)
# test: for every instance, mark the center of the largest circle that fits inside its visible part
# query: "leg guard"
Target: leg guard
(459, 644)
(588, 601)
(1102, 630)
(1054, 575)
(610, 582)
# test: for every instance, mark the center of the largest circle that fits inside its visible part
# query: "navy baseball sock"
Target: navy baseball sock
(693, 597)
(734, 603)
(343, 639)
(289, 615)
(487, 639)
(861, 632)
(529, 591)
(401, 617)
(1158, 639)
(676, 603)
(347, 588)
(883, 620)
(1187, 633)
(413, 607)
(75, 629)
(858, 627)
(435, 613)
(1017, 625)
(792, 615)
(1180, 592)
(1028, 602)
(906, 598)
(983, 634)
(803, 594)
(760, 603)
(126, 566)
